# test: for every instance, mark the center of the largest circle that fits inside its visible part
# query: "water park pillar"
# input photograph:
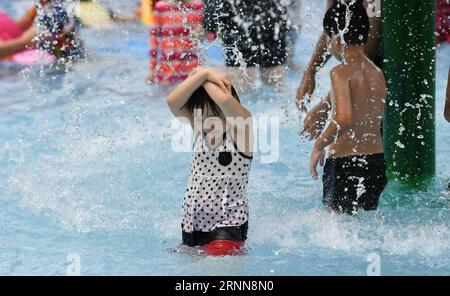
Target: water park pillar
(409, 65)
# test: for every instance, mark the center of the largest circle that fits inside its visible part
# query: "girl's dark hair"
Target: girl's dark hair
(200, 98)
(358, 27)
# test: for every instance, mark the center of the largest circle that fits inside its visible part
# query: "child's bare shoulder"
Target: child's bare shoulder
(341, 72)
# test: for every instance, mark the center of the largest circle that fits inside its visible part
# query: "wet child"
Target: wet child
(355, 169)
(173, 40)
(215, 204)
(316, 117)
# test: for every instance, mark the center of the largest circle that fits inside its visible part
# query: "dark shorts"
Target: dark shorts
(232, 233)
(253, 32)
(354, 182)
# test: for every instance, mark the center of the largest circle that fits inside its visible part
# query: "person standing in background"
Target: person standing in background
(173, 40)
(254, 36)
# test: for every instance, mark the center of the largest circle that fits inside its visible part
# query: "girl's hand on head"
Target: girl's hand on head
(220, 78)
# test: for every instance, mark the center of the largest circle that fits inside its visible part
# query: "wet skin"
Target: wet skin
(357, 101)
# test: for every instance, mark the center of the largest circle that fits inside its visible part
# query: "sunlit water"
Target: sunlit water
(86, 168)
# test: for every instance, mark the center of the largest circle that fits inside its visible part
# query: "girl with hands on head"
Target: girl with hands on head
(215, 204)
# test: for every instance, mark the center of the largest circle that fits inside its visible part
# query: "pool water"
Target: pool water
(87, 170)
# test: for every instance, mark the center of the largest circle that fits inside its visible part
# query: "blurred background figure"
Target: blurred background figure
(144, 11)
(174, 40)
(443, 21)
(93, 14)
(294, 27)
(90, 13)
(47, 26)
(254, 34)
(15, 36)
(57, 31)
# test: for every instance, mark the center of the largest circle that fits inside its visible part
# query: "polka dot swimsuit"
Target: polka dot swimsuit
(217, 191)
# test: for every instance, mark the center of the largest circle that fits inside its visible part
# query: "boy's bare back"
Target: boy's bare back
(365, 84)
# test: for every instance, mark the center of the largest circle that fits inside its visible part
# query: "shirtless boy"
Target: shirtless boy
(355, 169)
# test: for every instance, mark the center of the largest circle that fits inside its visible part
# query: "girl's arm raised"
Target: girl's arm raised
(179, 97)
(236, 115)
(228, 104)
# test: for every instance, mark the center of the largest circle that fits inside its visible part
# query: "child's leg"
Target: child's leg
(291, 41)
(273, 75)
(224, 248)
(243, 79)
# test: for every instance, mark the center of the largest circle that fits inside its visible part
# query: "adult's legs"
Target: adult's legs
(243, 78)
(273, 75)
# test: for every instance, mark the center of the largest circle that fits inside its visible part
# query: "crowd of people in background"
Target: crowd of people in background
(258, 38)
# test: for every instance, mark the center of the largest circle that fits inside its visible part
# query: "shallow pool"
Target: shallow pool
(87, 170)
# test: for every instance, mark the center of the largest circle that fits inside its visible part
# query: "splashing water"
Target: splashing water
(86, 168)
